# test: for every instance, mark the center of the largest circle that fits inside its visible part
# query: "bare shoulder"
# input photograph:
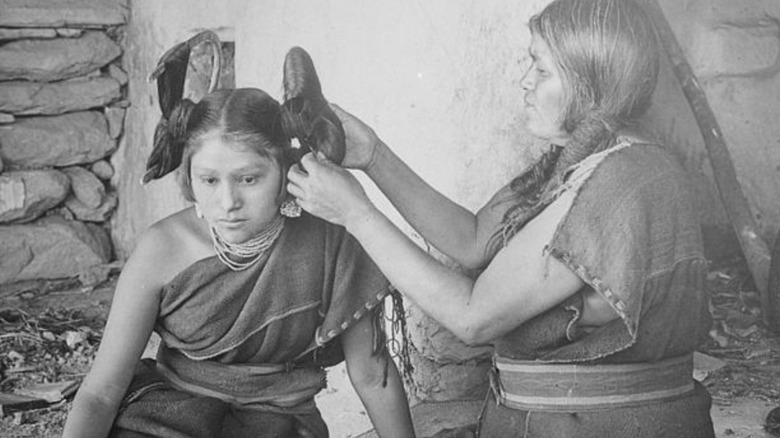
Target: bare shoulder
(169, 245)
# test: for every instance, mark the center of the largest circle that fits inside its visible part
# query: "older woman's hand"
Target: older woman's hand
(361, 141)
(327, 190)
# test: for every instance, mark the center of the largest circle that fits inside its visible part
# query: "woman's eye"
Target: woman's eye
(208, 180)
(248, 179)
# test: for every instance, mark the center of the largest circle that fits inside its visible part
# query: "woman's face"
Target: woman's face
(544, 95)
(236, 189)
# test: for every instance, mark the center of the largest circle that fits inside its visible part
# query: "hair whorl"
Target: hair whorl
(306, 114)
(171, 131)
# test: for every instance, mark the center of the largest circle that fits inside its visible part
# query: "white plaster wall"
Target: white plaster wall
(436, 79)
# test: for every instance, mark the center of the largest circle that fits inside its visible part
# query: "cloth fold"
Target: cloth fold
(315, 283)
(632, 235)
(266, 387)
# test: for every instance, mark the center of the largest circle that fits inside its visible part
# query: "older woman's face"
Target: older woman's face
(544, 95)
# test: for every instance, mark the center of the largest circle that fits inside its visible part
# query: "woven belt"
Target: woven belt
(255, 386)
(535, 386)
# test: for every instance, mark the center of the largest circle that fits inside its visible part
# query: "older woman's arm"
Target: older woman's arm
(520, 282)
(451, 228)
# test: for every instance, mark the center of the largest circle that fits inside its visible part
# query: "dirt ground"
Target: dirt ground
(50, 330)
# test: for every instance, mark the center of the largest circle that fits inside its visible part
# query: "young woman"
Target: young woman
(592, 286)
(251, 306)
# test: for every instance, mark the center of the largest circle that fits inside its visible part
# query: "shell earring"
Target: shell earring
(290, 208)
(198, 212)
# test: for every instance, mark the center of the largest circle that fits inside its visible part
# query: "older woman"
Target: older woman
(592, 284)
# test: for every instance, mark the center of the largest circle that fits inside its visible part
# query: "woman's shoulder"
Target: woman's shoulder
(307, 224)
(641, 155)
(633, 163)
(179, 229)
(172, 243)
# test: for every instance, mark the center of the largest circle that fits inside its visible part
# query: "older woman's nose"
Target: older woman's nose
(527, 81)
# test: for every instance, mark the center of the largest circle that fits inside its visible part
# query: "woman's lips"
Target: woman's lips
(231, 223)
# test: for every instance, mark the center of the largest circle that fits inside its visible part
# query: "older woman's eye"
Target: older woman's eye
(248, 179)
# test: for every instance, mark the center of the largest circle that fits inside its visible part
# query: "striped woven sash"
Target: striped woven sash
(535, 386)
(268, 387)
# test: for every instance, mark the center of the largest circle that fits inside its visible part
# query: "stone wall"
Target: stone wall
(61, 117)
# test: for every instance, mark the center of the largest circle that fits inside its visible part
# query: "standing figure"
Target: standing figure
(592, 274)
(250, 305)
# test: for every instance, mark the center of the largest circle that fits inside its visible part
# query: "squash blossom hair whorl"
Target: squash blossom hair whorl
(170, 74)
(307, 115)
(607, 53)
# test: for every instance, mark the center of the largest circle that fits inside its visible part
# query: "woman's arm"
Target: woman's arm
(130, 322)
(520, 282)
(385, 400)
(452, 229)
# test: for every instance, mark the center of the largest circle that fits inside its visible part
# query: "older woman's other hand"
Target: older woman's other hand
(362, 142)
(327, 190)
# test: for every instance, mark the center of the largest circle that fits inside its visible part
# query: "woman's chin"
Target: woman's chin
(547, 135)
(232, 235)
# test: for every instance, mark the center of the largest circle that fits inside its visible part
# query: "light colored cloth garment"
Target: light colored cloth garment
(633, 235)
(255, 342)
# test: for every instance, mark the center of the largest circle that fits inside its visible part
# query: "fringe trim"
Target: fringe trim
(398, 345)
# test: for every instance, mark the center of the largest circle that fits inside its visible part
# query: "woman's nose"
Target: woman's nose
(230, 197)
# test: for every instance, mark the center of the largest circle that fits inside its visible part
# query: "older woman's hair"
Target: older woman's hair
(607, 53)
(244, 116)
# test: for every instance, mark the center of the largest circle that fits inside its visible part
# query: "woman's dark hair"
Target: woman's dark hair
(607, 53)
(245, 116)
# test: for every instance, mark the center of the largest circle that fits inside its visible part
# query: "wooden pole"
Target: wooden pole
(754, 249)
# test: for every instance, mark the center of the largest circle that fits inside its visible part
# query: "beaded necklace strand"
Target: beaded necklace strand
(250, 251)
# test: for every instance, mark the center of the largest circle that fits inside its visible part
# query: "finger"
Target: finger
(307, 206)
(296, 191)
(296, 174)
(322, 157)
(309, 162)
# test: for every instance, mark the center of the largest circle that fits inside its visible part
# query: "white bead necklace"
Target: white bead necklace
(250, 251)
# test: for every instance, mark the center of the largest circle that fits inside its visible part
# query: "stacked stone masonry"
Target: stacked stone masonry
(61, 117)
(444, 367)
